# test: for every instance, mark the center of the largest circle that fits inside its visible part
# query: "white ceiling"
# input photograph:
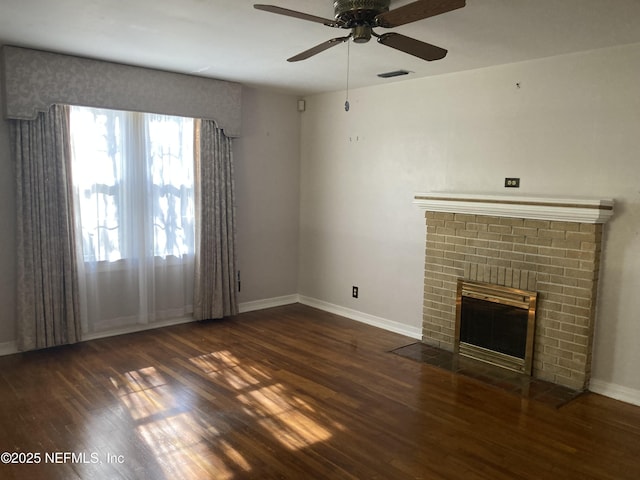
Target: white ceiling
(230, 40)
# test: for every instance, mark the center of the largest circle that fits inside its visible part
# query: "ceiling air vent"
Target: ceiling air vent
(395, 73)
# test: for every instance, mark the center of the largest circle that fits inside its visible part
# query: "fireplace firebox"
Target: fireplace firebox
(495, 324)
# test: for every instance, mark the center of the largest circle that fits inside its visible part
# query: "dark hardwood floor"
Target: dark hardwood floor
(292, 393)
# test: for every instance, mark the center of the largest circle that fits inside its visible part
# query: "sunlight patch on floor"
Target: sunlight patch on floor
(286, 417)
(190, 443)
(183, 444)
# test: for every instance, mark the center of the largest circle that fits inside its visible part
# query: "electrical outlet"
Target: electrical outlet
(354, 292)
(512, 182)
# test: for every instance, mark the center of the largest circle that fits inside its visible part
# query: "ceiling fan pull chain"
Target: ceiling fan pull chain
(346, 103)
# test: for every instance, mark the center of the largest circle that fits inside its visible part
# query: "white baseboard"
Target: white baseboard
(136, 328)
(386, 324)
(617, 392)
(268, 303)
(8, 348)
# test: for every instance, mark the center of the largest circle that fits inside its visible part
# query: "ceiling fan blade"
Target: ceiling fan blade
(318, 48)
(417, 11)
(414, 47)
(295, 14)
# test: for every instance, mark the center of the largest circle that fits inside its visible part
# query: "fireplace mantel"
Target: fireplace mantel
(567, 209)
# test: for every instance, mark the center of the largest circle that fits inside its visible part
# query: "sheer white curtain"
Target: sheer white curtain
(134, 192)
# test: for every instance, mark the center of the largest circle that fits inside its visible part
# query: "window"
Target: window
(134, 180)
(133, 176)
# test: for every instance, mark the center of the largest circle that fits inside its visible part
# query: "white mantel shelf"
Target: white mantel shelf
(564, 209)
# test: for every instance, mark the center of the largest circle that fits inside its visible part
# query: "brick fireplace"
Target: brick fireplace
(547, 245)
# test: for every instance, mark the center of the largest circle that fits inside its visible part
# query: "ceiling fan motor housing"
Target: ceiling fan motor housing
(354, 13)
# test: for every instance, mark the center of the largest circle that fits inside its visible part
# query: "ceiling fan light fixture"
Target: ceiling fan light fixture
(395, 73)
(361, 34)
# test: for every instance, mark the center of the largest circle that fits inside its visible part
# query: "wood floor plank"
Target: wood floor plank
(290, 392)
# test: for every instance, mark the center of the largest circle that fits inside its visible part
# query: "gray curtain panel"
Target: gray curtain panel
(48, 306)
(215, 270)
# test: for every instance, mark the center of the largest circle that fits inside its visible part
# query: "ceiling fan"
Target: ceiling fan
(362, 16)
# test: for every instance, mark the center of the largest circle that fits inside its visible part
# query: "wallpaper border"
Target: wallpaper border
(34, 80)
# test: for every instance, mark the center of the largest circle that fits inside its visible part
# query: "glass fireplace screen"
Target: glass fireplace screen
(496, 324)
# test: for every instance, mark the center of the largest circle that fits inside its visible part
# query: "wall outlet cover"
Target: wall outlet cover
(512, 182)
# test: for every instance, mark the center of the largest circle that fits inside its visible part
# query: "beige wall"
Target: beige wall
(571, 128)
(267, 159)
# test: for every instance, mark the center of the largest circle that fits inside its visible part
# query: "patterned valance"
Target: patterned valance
(34, 80)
